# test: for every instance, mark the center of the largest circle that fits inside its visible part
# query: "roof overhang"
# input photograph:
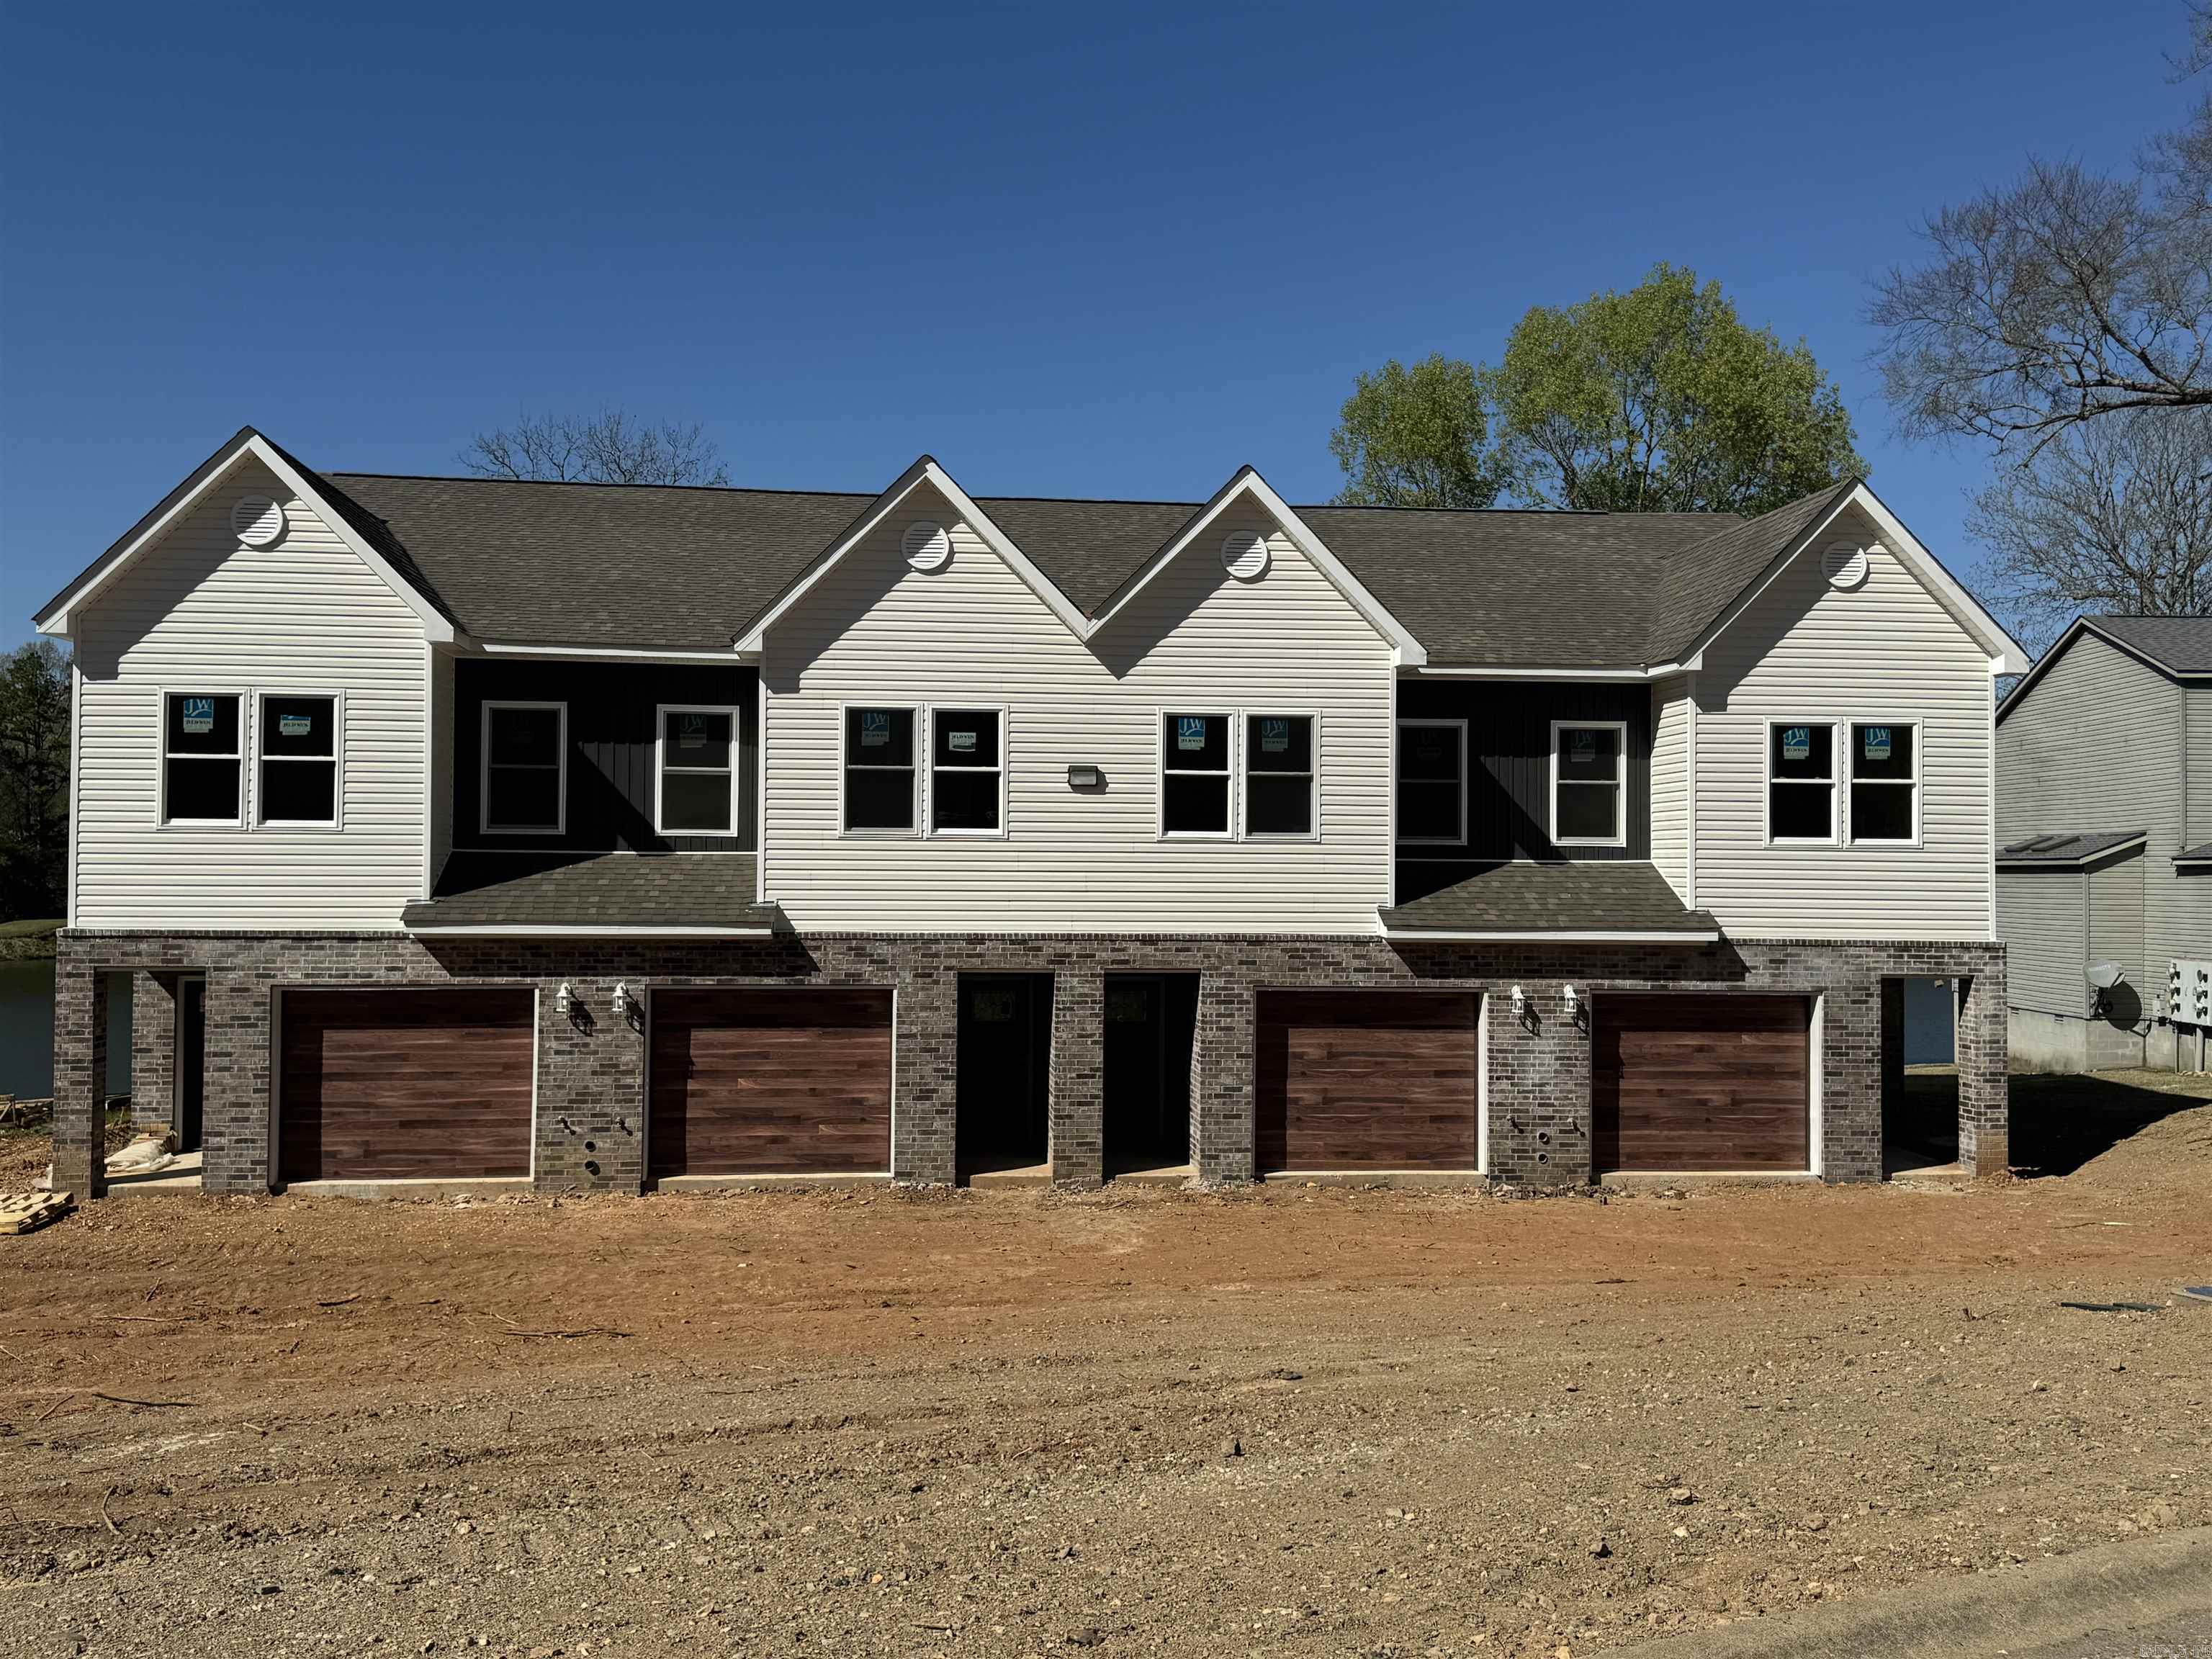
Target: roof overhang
(2005, 652)
(1553, 936)
(926, 470)
(2078, 861)
(59, 615)
(557, 653)
(1247, 484)
(569, 930)
(1498, 672)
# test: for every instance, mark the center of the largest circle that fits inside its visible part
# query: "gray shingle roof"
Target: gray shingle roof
(2063, 847)
(686, 568)
(1592, 896)
(602, 889)
(2180, 644)
(2196, 854)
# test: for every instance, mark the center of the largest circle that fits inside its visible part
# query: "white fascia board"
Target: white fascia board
(925, 471)
(1248, 482)
(2006, 655)
(56, 619)
(603, 652)
(1565, 935)
(1656, 671)
(563, 930)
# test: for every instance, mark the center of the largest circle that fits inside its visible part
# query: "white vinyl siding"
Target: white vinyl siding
(1670, 783)
(1886, 651)
(2116, 925)
(876, 632)
(200, 612)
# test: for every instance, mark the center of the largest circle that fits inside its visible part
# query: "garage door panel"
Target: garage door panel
(405, 1085)
(770, 1081)
(1362, 1079)
(1702, 1082)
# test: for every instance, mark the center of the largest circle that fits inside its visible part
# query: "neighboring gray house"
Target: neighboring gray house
(2104, 840)
(575, 836)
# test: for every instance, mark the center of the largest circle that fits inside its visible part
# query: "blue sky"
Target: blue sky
(1067, 251)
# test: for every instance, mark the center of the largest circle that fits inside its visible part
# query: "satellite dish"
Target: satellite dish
(2103, 975)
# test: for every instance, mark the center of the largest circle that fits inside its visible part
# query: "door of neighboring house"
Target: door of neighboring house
(191, 1084)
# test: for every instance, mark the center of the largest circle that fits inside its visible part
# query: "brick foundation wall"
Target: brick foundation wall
(591, 1080)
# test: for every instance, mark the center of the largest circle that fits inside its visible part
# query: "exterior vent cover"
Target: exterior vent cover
(926, 545)
(1843, 564)
(258, 520)
(1245, 555)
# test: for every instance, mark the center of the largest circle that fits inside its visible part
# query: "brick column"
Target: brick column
(1985, 1093)
(1221, 1123)
(80, 1077)
(153, 1049)
(1078, 1065)
(1539, 1087)
(1854, 1022)
(236, 1092)
(926, 1059)
(591, 1088)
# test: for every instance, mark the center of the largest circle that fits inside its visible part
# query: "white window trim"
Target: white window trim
(1767, 728)
(1619, 838)
(660, 713)
(1241, 787)
(1920, 766)
(1459, 839)
(485, 825)
(925, 741)
(921, 764)
(162, 757)
(336, 760)
(1232, 720)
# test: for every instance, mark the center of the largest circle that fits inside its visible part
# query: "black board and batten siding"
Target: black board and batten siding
(611, 714)
(1509, 744)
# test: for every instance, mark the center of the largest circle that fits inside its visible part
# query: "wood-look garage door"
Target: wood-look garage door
(389, 1084)
(765, 1082)
(1366, 1080)
(1696, 1082)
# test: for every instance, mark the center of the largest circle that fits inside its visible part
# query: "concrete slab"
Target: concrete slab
(1030, 1174)
(1653, 1180)
(767, 1183)
(402, 1191)
(1165, 1175)
(182, 1176)
(1397, 1180)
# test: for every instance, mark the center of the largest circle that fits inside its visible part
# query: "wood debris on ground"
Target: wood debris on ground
(23, 1212)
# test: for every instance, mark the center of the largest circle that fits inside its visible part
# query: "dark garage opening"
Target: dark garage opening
(1004, 1065)
(1151, 1023)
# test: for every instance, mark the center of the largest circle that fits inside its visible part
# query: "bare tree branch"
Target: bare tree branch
(609, 448)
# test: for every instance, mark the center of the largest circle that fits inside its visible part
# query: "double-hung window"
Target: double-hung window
(1279, 776)
(1432, 783)
(203, 757)
(966, 772)
(524, 784)
(1884, 782)
(696, 786)
(1801, 781)
(297, 776)
(879, 771)
(1589, 789)
(1193, 774)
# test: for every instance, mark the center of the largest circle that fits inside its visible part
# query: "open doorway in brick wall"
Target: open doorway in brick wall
(1919, 1074)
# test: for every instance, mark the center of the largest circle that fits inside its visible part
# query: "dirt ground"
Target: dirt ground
(1299, 1419)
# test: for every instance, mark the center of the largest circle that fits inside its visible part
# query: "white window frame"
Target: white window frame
(660, 713)
(1241, 787)
(336, 762)
(161, 758)
(485, 825)
(1767, 728)
(925, 759)
(1619, 838)
(1919, 767)
(1404, 840)
(1232, 720)
(920, 713)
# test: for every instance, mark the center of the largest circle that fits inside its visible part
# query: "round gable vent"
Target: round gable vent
(1245, 555)
(257, 520)
(927, 545)
(1843, 564)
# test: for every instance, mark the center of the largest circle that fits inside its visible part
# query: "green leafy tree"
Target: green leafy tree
(1660, 399)
(1415, 437)
(35, 778)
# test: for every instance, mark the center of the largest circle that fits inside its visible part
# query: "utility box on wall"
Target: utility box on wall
(2189, 992)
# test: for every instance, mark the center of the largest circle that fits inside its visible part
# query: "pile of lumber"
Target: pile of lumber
(23, 1212)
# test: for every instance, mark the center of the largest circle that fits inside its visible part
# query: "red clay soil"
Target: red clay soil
(1011, 1423)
